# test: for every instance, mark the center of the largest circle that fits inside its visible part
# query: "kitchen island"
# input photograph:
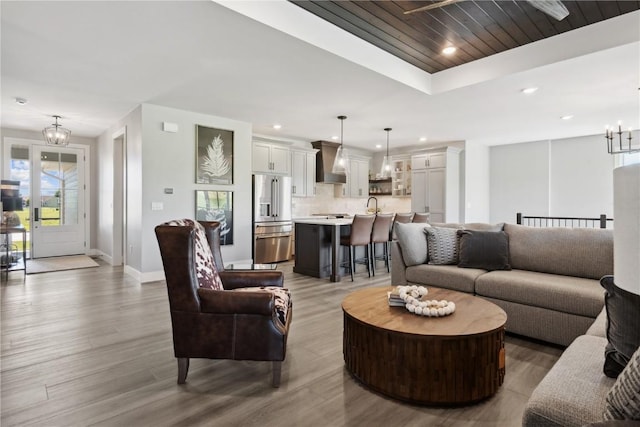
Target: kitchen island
(318, 246)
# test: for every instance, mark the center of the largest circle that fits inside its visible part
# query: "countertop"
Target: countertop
(324, 221)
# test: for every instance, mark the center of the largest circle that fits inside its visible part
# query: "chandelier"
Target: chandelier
(620, 147)
(56, 134)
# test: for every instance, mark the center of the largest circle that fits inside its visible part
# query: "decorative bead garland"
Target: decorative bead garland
(412, 295)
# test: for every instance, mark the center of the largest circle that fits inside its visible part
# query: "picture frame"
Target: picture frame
(214, 205)
(214, 155)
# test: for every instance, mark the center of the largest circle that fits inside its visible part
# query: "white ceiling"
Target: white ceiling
(93, 62)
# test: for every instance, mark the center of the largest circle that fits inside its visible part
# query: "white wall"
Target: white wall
(476, 183)
(567, 177)
(519, 180)
(581, 177)
(169, 161)
(157, 160)
(132, 122)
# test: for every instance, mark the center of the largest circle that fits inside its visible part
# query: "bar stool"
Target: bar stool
(420, 217)
(360, 235)
(381, 234)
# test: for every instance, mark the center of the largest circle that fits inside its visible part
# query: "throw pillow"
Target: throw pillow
(282, 299)
(623, 326)
(488, 250)
(442, 245)
(412, 241)
(206, 270)
(623, 400)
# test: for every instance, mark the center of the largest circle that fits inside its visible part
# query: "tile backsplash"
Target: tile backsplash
(325, 201)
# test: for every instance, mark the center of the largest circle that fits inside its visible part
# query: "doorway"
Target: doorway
(53, 187)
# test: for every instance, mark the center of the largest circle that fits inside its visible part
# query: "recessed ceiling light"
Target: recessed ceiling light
(449, 50)
(529, 90)
(423, 139)
(378, 145)
(334, 137)
(21, 101)
(277, 126)
(567, 117)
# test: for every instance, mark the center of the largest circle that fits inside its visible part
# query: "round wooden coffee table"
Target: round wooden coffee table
(457, 359)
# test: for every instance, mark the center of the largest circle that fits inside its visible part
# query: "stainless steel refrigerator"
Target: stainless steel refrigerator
(272, 225)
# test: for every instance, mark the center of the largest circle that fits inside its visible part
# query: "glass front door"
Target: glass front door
(57, 202)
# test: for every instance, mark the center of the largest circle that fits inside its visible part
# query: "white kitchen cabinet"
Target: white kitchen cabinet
(271, 159)
(357, 185)
(303, 173)
(358, 178)
(436, 189)
(429, 160)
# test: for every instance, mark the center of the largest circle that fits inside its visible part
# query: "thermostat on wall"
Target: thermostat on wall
(169, 127)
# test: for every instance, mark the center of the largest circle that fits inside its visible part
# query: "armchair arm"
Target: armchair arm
(229, 302)
(232, 279)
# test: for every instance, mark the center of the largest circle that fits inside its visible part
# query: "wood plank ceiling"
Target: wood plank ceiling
(477, 28)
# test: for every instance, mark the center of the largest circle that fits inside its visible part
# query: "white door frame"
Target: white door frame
(119, 202)
(6, 167)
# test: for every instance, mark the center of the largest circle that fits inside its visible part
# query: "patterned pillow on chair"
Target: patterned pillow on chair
(206, 270)
(282, 299)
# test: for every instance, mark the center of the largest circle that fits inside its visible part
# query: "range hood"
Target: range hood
(324, 163)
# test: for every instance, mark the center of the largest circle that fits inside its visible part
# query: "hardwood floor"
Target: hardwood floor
(93, 347)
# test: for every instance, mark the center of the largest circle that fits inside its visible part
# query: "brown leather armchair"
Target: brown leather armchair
(248, 320)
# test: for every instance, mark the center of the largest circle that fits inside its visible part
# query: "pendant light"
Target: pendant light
(341, 162)
(385, 170)
(56, 134)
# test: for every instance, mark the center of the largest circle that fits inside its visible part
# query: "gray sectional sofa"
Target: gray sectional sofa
(552, 292)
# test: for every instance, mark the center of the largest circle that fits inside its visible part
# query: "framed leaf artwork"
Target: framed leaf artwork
(214, 156)
(217, 206)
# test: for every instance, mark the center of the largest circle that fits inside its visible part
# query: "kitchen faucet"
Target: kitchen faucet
(376, 200)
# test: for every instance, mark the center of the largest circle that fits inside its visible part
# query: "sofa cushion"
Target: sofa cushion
(623, 400)
(442, 245)
(599, 326)
(481, 226)
(623, 326)
(573, 392)
(567, 294)
(488, 250)
(412, 241)
(579, 252)
(444, 276)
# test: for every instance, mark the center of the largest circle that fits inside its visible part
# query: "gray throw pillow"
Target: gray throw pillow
(623, 326)
(442, 245)
(623, 400)
(488, 250)
(412, 241)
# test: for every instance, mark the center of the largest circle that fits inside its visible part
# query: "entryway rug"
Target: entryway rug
(59, 263)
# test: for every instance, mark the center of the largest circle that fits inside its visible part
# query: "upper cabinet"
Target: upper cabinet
(429, 160)
(303, 172)
(271, 158)
(436, 184)
(357, 179)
